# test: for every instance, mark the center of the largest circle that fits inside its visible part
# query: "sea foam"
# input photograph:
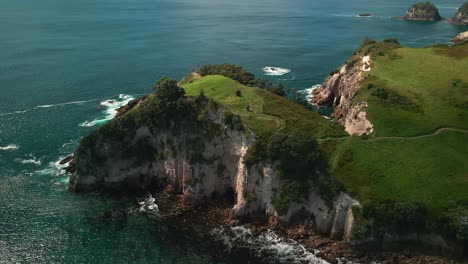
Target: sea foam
(275, 71)
(32, 161)
(309, 92)
(266, 245)
(110, 110)
(10, 147)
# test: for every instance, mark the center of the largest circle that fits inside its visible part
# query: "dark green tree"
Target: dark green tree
(167, 90)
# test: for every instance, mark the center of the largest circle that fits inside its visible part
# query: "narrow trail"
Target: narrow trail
(438, 131)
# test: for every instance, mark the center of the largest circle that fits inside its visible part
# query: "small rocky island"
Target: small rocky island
(461, 17)
(423, 11)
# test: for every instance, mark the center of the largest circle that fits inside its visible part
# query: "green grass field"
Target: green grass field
(430, 87)
(431, 170)
(267, 112)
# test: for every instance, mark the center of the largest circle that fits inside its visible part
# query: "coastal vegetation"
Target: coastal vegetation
(239, 74)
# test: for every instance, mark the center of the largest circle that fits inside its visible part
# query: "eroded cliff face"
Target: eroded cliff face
(338, 92)
(143, 159)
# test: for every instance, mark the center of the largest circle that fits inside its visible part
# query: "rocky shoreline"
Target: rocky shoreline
(218, 213)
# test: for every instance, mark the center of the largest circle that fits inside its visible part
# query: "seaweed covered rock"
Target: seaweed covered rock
(423, 11)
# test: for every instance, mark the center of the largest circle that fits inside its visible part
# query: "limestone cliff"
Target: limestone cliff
(338, 91)
(200, 154)
(461, 17)
(423, 11)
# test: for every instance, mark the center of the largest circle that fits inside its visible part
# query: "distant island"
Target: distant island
(423, 11)
(461, 17)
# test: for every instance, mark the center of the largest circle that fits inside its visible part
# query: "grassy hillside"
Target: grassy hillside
(262, 111)
(417, 91)
(431, 170)
(418, 152)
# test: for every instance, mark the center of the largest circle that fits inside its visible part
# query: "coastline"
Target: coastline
(217, 214)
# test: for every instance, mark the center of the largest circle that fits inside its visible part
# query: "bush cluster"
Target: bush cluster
(391, 98)
(239, 74)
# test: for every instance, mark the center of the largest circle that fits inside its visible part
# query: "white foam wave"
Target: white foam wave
(110, 110)
(16, 112)
(125, 96)
(10, 147)
(275, 71)
(266, 245)
(68, 103)
(33, 161)
(57, 170)
(148, 205)
(309, 92)
(47, 106)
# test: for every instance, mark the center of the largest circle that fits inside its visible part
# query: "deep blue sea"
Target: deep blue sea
(61, 60)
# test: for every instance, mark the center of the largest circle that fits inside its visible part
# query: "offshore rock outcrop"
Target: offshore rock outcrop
(338, 92)
(461, 38)
(423, 11)
(461, 17)
(200, 165)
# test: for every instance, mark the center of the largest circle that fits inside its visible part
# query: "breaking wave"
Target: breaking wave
(267, 245)
(309, 92)
(148, 205)
(10, 147)
(56, 170)
(110, 110)
(275, 71)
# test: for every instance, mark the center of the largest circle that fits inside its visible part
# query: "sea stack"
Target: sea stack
(423, 11)
(461, 17)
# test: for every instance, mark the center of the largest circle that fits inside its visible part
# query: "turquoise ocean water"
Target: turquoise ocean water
(62, 61)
